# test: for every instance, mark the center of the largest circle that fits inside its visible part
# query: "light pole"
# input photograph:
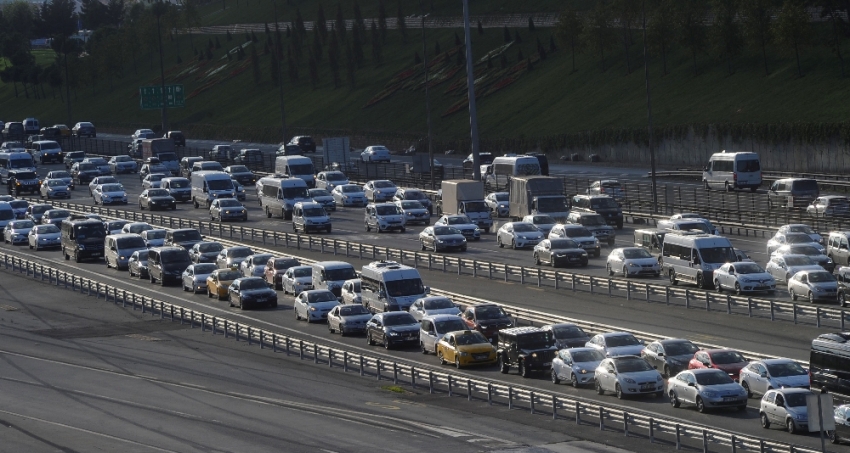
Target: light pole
(280, 75)
(427, 97)
(649, 113)
(158, 9)
(470, 85)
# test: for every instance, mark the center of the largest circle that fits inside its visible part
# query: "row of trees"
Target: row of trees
(720, 28)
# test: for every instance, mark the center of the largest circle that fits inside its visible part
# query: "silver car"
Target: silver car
(109, 194)
(17, 232)
(54, 188)
(627, 375)
(433, 328)
(44, 236)
(706, 388)
(55, 216)
(349, 195)
(814, 286)
(578, 233)
(780, 239)
(102, 180)
(576, 366)
(414, 212)
(807, 249)
(154, 238)
(543, 222)
(153, 180)
(801, 228)
(557, 252)
(614, 344)
(499, 203)
(350, 292)
(632, 262)
(314, 305)
(762, 375)
(63, 175)
(743, 277)
(123, 164)
(297, 279)
(439, 238)
(782, 268)
(231, 257)
(518, 235)
(785, 407)
(348, 319)
(671, 355)
(433, 305)
(227, 209)
(379, 190)
(461, 222)
(195, 277)
(330, 179)
(255, 265)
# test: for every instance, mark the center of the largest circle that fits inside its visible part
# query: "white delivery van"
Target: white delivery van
(15, 161)
(730, 171)
(211, 185)
(310, 216)
(296, 167)
(693, 257)
(503, 168)
(278, 196)
(390, 286)
(331, 275)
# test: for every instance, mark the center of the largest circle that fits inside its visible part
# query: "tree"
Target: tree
(503, 61)
(457, 39)
(530, 24)
(520, 56)
(93, 14)
(318, 49)
(339, 24)
(506, 34)
(314, 71)
(626, 12)
(437, 48)
(21, 18)
(480, 28)
(57, 18)
(377, 47)
(217, 43)
(350, 66)
(402, 25)
(757, 25)
(834, 11)
(382, 21)
(416, 58)
(597, 31)
(660, 29)
(321, 27)
(115, 12)
(299, 23)
(358, 17)
(793, 28)
(255, 64)
(726, 35)
(357, 39)
(254, 37)
(517, 37)
(229, 36)
(569, 30)
(275, 69)
(333, 59)
(292, 67)
(690, 28)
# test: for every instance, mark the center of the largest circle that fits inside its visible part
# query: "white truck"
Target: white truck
(462, 196)
(538, 195)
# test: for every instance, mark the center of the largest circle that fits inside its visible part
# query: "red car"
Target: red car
(728, 360)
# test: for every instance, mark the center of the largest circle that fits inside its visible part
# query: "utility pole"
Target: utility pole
(649, 113)
(159, 8)
(280, 76)
(427, 97)
(66, 42)
(470, 85)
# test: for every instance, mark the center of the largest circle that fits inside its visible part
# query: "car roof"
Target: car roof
(614, 334)
(441, 317)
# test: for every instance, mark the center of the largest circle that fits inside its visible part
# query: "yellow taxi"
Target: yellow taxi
(219, 281)
(466, 347)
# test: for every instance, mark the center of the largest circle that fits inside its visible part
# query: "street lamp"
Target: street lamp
(649, 114)
(427, 97)
(280, 76)
(159, 9)
(470, 85)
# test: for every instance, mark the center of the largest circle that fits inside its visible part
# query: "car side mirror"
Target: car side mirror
(691, 384)
(704, 168)
(763, 374)
(706, 363)
(660, 354)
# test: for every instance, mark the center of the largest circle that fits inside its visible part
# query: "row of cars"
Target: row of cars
(14, 130)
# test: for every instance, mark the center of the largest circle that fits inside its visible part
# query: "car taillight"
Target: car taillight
(735, 176)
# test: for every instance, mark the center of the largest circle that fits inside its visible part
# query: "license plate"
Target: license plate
(95, 254)
(729, 398)
(261, 299)
(547, 364)
(573, 259)
(647, 387)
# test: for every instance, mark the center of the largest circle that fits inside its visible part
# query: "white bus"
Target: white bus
(390, 286)
(500, 172)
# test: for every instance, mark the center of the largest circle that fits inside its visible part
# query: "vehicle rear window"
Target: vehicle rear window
(804, 184)
(748, 166)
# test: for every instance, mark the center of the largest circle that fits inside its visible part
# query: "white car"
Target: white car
(17, 231)
(348, 319)
(98, 180)
(154, 238)
(314, 305)
(136, 227)
(153, 180)
(806, 249)
(330, 179)
(801, 228)
(695, 216)
(461, 223)
(780, 239)
(124, 164)
(626, 376)
(543, 222)
(63, 175)
(414, 212)
(814, 286)
(349, 195)
(433, 305)
(254, 265)
(297, 279)
(578, 233)
(350, 292)
(518, 235)
(632, 262)
(743, 277)
(101, 164)
(379, 190)
(44, 236)
(706, 388)
(614, 344)
(109, 194)
(54, 188)
(782, 268)
(323, 197)
(143, 134)
(762, 375)
(375, 153)
(195, 277)
(499, 203)
(576, 366)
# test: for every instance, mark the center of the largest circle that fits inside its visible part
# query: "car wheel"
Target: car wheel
(403, 229)
(536, 259)
(742, 408)
(422, 347)
(787, 276)
(747, 389)
(811, 297)
(242, 306)
(608, 270)
(386, 343)
(330, 328)
(700, 405)
(555, 379)
(843, 300)
(765, 423)
(625, 272)
(672, 276)
(599, 389)
(552, 261)
(422, 244)
(717, 286)
(369, 340)
(574, 380)
(793, 294)
(368, 228)
(674, 400)
(499, 242)
(619, 391)
(513, 244)
(457, 362)
(737, 289)
(297, 316)
(524, 371)
(791, 426)
(504, 367)
(700, 281)
(833, 437)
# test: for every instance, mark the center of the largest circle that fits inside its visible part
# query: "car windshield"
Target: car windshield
(18, 204)
(801, 229)
(621, 340)
(131, 242)
(471, 337)
(680, 348)
(156, 177)
(87, 167)
(252, 283)
(809, 185)
(785, 369)
(457, 220)
(155, 234)
(220, 184)
(346, 273)
(713, 378)
(26, 175)
(210, 247)
(58, 214)
(406, 287)
(501, 197)
(592, 220)
(351, 189)
(294, 192)
(315, 212)
(112, 188)
(303, 169)
(524, 228)
(89, 231)
(536, 340)
(158, 193)
(701, 226)
(542, 220)
(335, 176)
(302, 272)
(23, 224)
(285, 264)
(319, 193)
(229, 203)
(577, 232)
(139, 227)
(562, 244)
(727, 357)
(40, 209)
(399, 319)
(821, 277)
(490, 312)
(411, 205)
(20, 162)
(186, 235)
(566, 332)
(259, 259)
(353, 310)
(633, 365)
(798, 261)
(321, 296)
(46, 229)
(438, 304)
(444, 231)
(387, 210)
(56, 183)
(449, 325)
(636, 253)
(123, 159)
(204, 269)
(414, 195)
(587, 356)
(116, 225)
(239, 252)
(718, 255)
(239, 169)
(97, 160)
(179, 183)
(798, 238)
(603, 203)
(383, 184)
(229, 275)
(60, 174)
(795, 399)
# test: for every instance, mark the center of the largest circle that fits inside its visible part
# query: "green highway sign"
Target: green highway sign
(150, 97)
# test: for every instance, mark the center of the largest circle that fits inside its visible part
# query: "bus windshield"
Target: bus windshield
(406, 287)
(220, 184)
(718, 255)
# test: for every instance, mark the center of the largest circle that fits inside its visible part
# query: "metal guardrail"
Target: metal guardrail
(834, 318)
(560, 406)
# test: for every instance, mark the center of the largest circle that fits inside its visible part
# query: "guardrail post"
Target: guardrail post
(667, 294)
(395, 373)
(171, 310)
(678, 437)
(431, 382)
(181, 317)
(626, 423)
(489, 394)
(474, 268)
(510, 398)
(378, 372)
(532, 402)
(554, 407)
(345, 361)
(687, 298)
(609, 287)
(315, 353)
(794, 307)
(288, 343)
(601, 419)
(236, 328)
(734, 442)
(274, 342)
(750, 307)
(413, 376)
(651, 430)
(591, 284)
(707, 307)
(578, 412)
(817, 316)
(628, 290)
(761, 445)
(573, 282)
(203, 322)
(225, 327)
(489, 269)
(361, 365)
(450, 385)
(704, 441)
(842, 320)
(301, 349)
(469, 390)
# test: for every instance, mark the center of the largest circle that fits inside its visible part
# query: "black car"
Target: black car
(156, 199)
(568, 335)
(84, 129)
(543, 160)
(249, 291)
(50, 133)
(14, 131)
(252, 158)
(394, 328)
(487, 319)
(177, 137)
(20, 181)
(241, 174)
(305, 142)
(83, 173)
(603, 205)
(527, 348)
(670, 356)
(73, 157)
(205, 252)
(184, 237)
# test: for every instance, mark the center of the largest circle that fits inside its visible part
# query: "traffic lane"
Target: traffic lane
(281, 320)
(178, 390)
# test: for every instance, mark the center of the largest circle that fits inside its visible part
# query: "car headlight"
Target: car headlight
(630, 380)
(534, 354)
(392, 334)
(122, 257)
(800, 416)
(81, 247)
(658, 378)
(634, 265)
(227, 212)
(464, 354)
(312, 308)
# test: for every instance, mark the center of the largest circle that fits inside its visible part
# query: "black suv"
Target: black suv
(84, 172)
(396, 328)
(305, 142)
(23, 181)
(82, 238)
(527, 348)
(177, 137)
(603, 205)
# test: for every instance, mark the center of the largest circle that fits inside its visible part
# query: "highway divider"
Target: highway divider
(436, 379)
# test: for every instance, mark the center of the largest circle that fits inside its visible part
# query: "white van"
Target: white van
(685, 225)
(307, 216)
(390, 286)
(180, 188)
(119, 247)
(693, 257)
(296, 167)
(278, 196)
(503, 168)
(210, 185)
(15, 161)
(730, 171)
(331, 275)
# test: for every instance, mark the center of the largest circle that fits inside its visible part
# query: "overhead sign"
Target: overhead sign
(150, 97)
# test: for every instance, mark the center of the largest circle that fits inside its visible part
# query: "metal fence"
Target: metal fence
(631, 423)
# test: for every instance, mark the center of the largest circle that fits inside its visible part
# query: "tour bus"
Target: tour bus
(500, 172)
(730, 171)
(279, 196)
(694, 256)
(15, 161)
(390, 286)
(210, 185)
(296, 167)
(829, 363)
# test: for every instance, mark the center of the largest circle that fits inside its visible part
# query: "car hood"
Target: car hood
(161, 198)
(792, 381)
(808, 267)
(48, 235)
(202, 277)
(357, 318)
(323, 198)
(641, 376)
(587, 366)
(303, 280)
(257, 292)
(725, 389)
(733, 368)
(826, 285)
(529, 234)
(495, 321)
(680, 359)
(327, 305)
(353, 194)
(462, 226)
(476, 348)
(405, 328)
(578, 251)
(624, 350)
(451, 237)
(642, 261)
(755, 277)
(115, 194)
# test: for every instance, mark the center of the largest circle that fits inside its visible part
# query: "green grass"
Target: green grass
(393, 388)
